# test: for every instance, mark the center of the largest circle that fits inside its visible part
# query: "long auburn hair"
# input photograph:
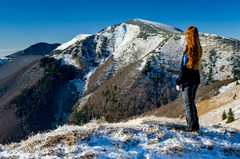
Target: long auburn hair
(193, 48)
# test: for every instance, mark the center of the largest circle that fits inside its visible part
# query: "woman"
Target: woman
(189, 76)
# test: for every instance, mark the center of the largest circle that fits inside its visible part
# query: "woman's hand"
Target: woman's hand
(178, 88)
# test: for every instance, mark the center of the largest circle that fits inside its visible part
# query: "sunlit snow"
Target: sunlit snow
(73, 41)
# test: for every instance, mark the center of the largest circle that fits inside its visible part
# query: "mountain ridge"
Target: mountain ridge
(41, 48)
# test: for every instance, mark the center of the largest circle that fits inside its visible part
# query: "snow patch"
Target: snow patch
(3, 59)
(67, 59)
(88, 76)
(182, 43)
(124, 36)
(228, 87)
(79, 84)
(141, 67)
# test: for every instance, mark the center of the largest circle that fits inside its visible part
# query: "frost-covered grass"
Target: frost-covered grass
(147, 137)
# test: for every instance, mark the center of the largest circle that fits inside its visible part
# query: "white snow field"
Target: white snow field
(147, 137)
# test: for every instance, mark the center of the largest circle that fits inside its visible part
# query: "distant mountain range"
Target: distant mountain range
(36, 49)
(130, 68)
(18, 71)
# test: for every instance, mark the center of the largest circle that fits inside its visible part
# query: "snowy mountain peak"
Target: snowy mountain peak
(73, 41)
(155, 25)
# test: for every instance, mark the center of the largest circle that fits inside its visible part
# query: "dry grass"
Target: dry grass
(209, 105)
(69, 138)
(215, 102)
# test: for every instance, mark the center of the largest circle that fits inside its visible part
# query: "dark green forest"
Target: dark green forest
(34, 105)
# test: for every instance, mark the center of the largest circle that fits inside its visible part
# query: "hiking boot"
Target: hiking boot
(188, 129)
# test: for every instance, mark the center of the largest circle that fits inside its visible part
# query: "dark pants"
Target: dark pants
(189, 93)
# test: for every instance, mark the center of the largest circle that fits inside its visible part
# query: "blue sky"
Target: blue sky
(26, 22)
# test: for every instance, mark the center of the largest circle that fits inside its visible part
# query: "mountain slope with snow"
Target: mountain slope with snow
(103, 55)
(148, 54)
(158, 45)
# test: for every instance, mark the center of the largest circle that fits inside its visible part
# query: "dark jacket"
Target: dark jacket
(187, 76)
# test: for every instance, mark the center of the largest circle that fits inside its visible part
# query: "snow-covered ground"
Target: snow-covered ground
(147, 137)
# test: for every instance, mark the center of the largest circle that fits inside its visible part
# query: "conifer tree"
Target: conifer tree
(224, 115)
(155, 77)
(230, 116)
(234, 97)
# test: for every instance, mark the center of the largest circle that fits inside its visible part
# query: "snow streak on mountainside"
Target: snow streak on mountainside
(148, 137)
